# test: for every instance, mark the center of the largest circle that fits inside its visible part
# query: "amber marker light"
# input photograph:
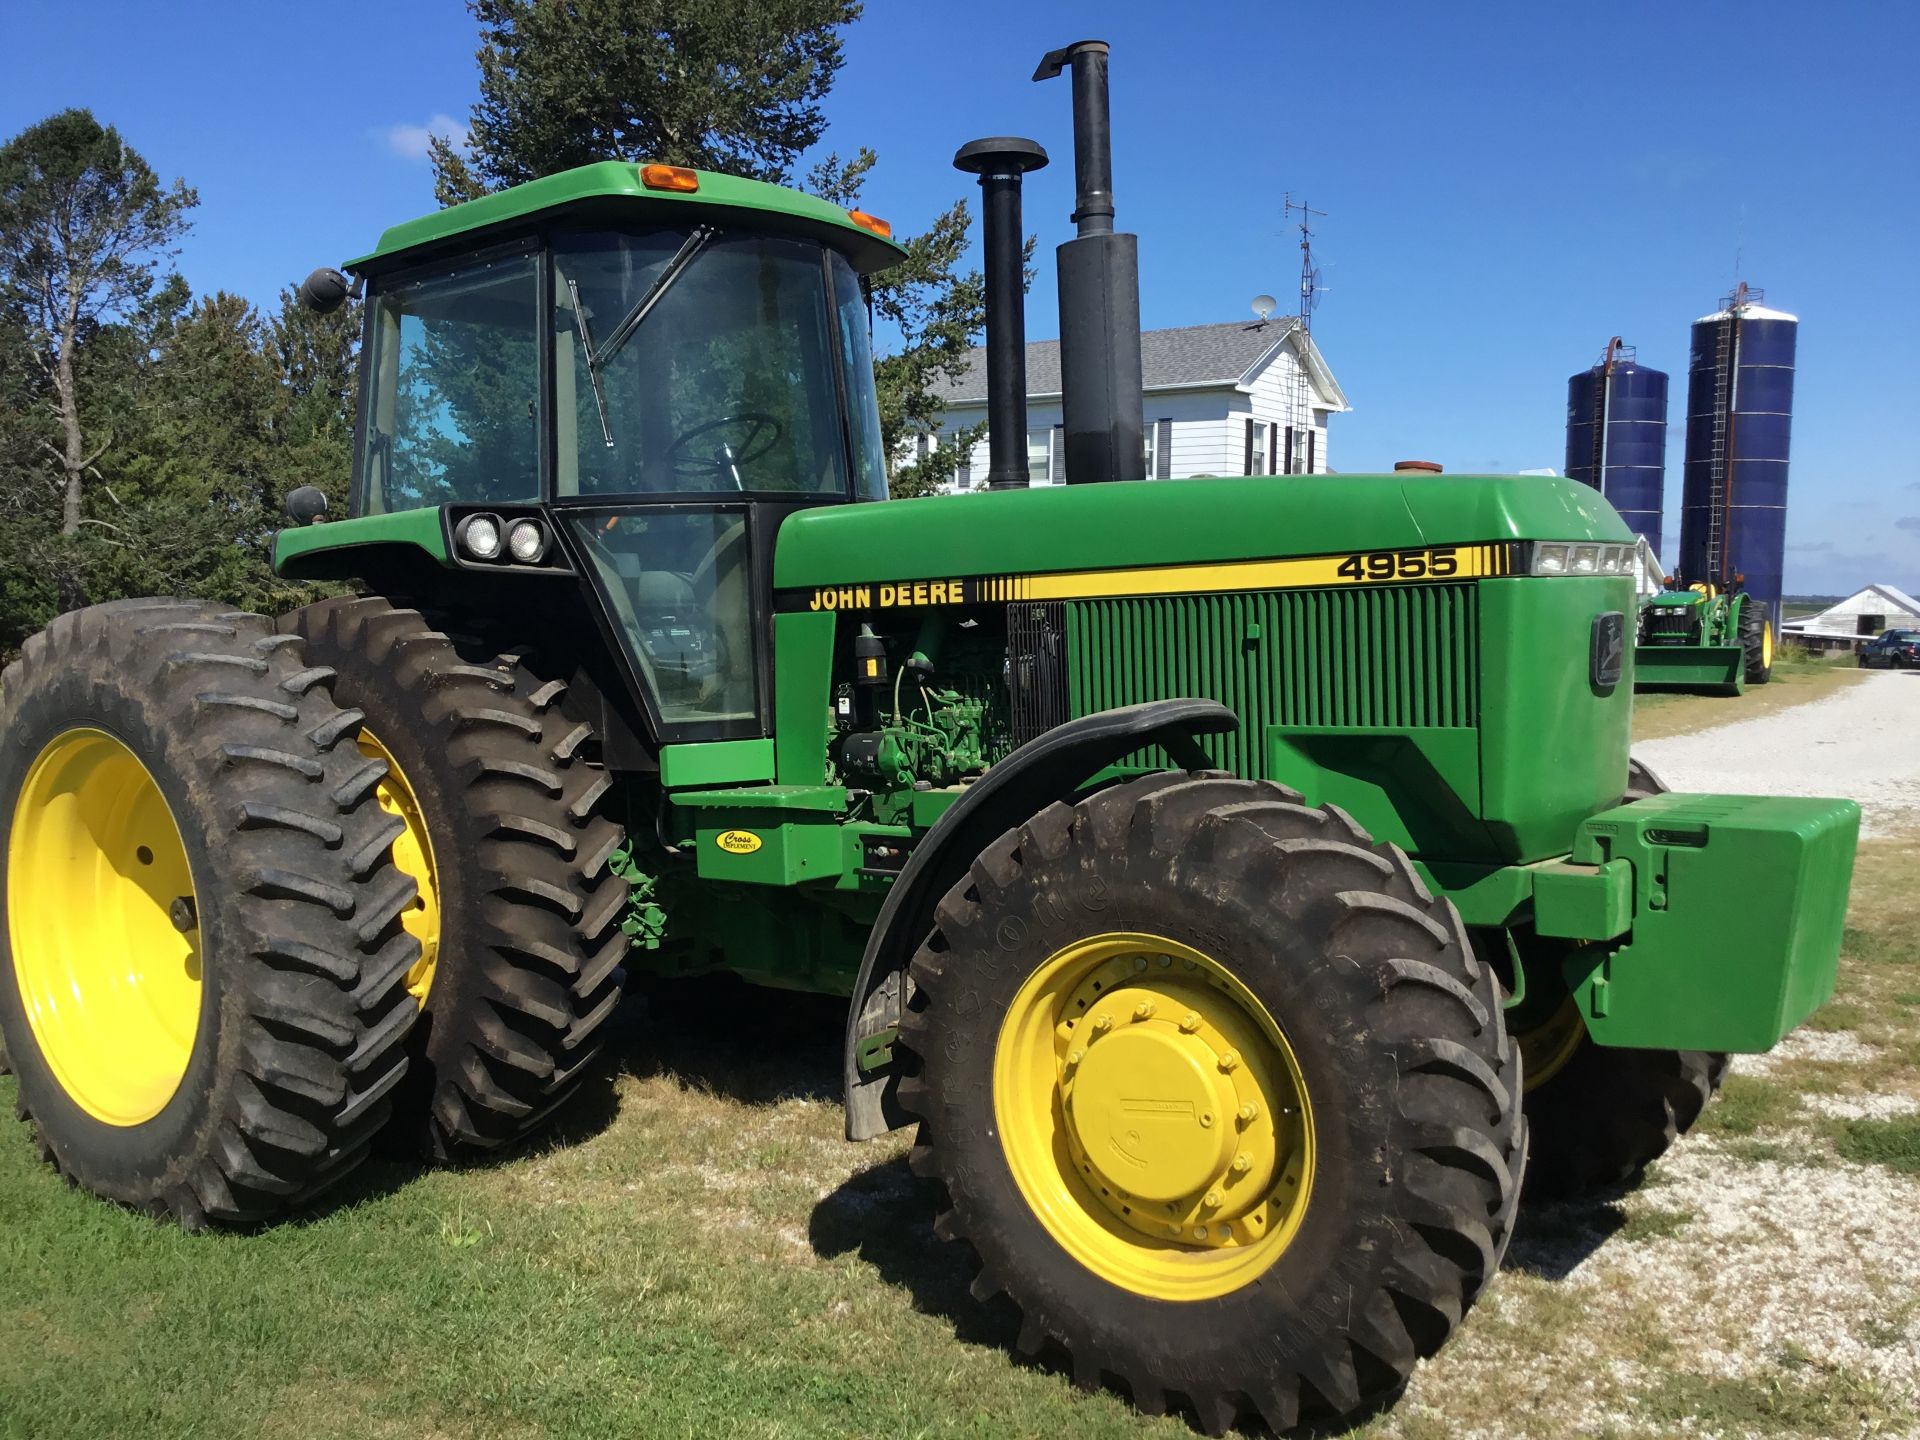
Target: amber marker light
(871, 223)
(669, 177)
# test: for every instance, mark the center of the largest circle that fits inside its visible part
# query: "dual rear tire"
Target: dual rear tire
(202, 972)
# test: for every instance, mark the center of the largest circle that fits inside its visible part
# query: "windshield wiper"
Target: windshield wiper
(599, 356)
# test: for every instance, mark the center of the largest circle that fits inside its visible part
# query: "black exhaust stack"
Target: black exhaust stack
(1100, 376)
(1000, 162)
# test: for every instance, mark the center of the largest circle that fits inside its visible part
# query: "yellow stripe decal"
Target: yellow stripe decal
(1360, 567)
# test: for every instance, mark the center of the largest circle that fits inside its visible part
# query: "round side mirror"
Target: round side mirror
(307, 504)
(324, 291)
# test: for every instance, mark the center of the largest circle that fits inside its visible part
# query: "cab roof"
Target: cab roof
(612, 191)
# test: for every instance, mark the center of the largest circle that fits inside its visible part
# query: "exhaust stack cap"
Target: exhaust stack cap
(1417, 467)
(1000, 161)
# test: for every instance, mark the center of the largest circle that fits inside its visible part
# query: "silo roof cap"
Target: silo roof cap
(1749, 312)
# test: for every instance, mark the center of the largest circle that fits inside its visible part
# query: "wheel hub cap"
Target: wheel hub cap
(1154, 1116)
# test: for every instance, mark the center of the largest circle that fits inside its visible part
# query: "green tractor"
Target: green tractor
(1703, 637)
(1223, 874)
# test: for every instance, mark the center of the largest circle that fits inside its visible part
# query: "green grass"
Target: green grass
(1799, 1398)
(1655, 1224)
(1894, 1142)
(1747, 1105)
(701, 1264)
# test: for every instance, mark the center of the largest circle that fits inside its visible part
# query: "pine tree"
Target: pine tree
(728, 85)
(85, 226)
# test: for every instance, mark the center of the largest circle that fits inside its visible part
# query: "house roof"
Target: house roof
(1889, 599)
(1187, 357)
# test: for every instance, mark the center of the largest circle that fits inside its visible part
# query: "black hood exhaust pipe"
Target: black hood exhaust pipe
(1000, 162)
(1100, 378)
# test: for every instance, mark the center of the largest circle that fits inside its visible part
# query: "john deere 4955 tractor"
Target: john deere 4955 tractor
(1222, 873)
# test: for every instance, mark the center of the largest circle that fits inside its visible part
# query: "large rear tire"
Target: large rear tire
(1220, 1097)
(202, 992)
(503, 797)
(1600, 1114)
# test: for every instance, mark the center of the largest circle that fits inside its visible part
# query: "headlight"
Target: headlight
(1549, 557)
(479, 536)
(527, 541)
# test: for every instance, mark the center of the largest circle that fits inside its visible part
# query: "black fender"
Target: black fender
(1043, 770)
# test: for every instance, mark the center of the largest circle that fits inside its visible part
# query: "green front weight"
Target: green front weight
(1738, 905)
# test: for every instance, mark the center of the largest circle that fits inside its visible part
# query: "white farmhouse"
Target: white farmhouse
(1233, 399)
(1861, 616)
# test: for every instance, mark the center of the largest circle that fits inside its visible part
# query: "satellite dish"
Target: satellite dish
(1264, 306)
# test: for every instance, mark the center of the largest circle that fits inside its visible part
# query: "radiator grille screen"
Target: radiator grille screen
(1036, 667)
(1389, 656)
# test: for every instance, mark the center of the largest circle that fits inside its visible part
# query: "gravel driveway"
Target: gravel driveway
(1862, 742)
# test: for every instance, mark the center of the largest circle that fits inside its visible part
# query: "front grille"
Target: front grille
(1672, 623)
(1390, 656)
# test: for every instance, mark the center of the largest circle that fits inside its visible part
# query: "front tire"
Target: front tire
(202, 981)
(503, 798)
(1250, 957)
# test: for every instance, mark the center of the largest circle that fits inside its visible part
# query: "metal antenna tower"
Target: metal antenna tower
(1299, 456)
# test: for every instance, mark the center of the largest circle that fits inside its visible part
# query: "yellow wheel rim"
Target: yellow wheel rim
(1154, 1116)
(1766, 645)
(1546, 1048)
(103, 920)
(413, 854)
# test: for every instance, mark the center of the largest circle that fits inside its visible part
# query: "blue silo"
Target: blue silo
(1617, 437)
(1733, 515)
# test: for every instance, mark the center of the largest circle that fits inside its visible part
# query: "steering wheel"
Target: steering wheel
(763, 432)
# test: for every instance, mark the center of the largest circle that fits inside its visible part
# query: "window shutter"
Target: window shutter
(1253, 429)
(1289, 469)
(963, 472)
(1057, 458)
(1312, 464)
(1162, 449)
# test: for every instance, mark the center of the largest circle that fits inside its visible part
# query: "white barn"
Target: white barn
(1233, 399)
(1861, 616)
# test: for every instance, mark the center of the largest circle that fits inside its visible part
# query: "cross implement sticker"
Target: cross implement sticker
(1354, 567)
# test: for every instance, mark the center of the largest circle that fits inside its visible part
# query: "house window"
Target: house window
(1256, 447)
(1040, 456)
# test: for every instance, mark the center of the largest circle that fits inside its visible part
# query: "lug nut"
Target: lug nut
(1242, 1163)
(184, 914)
(1190, 1022)
(1143, 1011)
(1139, 962)
(1214, 1200)
(1249, 1112)
(1074, 1057)
(1229, 1059)
(1103, 1022)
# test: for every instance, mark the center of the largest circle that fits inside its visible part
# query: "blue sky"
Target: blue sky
(1507, 185)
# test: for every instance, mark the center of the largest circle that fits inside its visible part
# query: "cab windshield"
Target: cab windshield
(685, 362)
(693, 362)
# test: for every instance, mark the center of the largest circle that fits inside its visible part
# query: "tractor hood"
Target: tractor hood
(1178, 522)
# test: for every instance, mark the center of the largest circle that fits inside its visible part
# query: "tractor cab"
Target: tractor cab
(634, 378)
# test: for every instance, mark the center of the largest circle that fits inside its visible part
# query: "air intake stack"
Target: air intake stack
(1000, 162)
(1100, 378)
